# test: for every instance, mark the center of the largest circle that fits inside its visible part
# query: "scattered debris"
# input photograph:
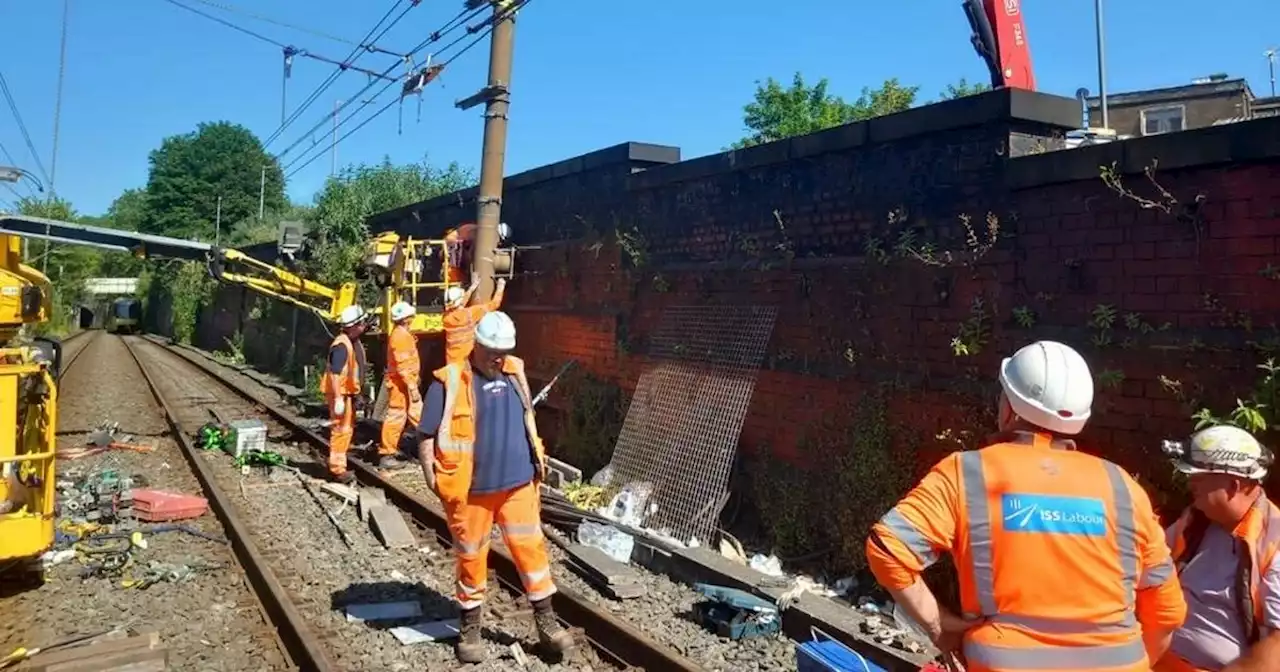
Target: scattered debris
(430, 631)
(141, 653)
(383, 611)
(769, 566)
(613, 578)
(613, 542)
(345, 493)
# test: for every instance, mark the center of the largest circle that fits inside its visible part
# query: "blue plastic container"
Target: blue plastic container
(829, 655)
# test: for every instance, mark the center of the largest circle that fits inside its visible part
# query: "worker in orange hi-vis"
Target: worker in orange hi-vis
(343, 387)
(403, 377)
(458, 240)
(1062, 562)
(483, 457)
(1226, 549)
(460, 320)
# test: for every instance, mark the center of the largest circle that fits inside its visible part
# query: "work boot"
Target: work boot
(550, 633)
(387, 462)
(345, 478)
(470, 647)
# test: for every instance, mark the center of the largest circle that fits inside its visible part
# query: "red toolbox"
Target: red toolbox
(157, 506)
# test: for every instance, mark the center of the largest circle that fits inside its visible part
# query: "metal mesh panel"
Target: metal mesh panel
(681, 430)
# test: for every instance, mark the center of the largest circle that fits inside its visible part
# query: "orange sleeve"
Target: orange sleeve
(403, 348)
(496, 302)
(1160, 603)
(908, 539)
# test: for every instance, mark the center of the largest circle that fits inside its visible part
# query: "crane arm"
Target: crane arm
(1000, 38)
(226, 265)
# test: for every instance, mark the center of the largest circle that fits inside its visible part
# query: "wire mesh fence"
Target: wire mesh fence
(681, 430)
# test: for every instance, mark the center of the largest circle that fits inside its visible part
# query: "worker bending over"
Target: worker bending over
(1225, 550)
(1062, 562)
(460, 320)
(343, 388)
(485, 460)
(403, 379)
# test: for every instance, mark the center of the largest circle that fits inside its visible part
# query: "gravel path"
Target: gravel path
(231, 633)
(664, 612)
(314, 564)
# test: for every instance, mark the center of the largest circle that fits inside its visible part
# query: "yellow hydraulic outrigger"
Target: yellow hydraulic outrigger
(419, 271)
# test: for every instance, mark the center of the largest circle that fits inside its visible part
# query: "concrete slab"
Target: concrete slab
(382, 611)
(370, 498)
(615, 579)
(430, 631)
(389, 524)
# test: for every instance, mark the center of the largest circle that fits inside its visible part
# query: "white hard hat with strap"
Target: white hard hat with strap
(351, 316)
(402, 310)
(496, 331)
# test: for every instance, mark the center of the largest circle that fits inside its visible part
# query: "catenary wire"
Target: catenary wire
(22, 127)
(347, 64)
(293, 171)
(293, 26)
(337, 72)
(457, 22)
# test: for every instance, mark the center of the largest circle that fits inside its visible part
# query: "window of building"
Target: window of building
(1157, 120)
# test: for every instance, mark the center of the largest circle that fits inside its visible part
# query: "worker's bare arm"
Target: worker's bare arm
(432, 416)
(1265, 655)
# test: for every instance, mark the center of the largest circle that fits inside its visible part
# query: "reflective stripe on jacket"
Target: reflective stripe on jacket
(1257, 536)
(460, 327)
(1054, 548)
(404, 367)
(349, 381)
(455, 439)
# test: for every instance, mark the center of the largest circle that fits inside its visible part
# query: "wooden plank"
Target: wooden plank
(615, 579)
(137, 660)
(96, 651)
(389, 525)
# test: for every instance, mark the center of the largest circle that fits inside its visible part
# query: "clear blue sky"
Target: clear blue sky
(587, 74)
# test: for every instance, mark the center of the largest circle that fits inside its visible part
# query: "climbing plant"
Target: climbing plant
(590, 427)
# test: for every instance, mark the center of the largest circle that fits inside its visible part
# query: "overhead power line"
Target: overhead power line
(486, 25)
(288, 49)
(369, 38)
(293, 26)
(22, 127)
(457, 22)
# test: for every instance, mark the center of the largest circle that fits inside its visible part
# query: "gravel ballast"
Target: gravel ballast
(231, 634)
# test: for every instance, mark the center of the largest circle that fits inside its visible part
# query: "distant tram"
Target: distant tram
(124, 316)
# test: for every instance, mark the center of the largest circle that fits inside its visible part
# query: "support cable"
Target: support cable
(22, 127)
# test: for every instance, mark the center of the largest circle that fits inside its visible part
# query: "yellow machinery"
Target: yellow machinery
(28, 410)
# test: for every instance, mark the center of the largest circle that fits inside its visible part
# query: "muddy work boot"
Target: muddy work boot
(345, 478)
(551, 634)
(470, 647)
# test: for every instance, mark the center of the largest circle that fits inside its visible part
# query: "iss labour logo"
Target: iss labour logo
(1080, 516)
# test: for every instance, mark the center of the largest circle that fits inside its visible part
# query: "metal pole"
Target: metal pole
(217, 224)
(1271, 68)
(57, 106)
(489, 201)
(262, 193)
(1102, 63)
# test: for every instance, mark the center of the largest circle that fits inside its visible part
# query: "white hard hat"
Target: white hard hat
(453, 295)
(504, 231)
(351, 315)
(402, 310)
(1049, 385)
(496, 331)
(1224, 449)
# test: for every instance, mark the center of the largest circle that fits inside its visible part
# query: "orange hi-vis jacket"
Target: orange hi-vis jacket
(457, 239)
(455, 440)
(404, 367)
(1058, 551)
(347, 383)
(1257, 537)
(460, 327)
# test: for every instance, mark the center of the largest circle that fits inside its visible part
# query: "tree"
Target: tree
(189, 173)
(963, 88)
(776, 112)
(348, 199)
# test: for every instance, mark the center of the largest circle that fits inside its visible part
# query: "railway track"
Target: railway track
(305, 571)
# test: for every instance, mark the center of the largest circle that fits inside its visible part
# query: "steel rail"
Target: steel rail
(298, 640)
(614, 637)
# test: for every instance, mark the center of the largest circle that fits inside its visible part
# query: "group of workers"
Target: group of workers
(1062, 562)
(480, 452)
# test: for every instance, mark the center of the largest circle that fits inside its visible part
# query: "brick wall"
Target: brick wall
(857, 234)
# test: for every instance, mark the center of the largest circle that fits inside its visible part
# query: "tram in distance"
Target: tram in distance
(124, 316)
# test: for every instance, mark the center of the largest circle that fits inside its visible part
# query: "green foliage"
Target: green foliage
(189, 288)
(963, 88)
(777, 112)
(348, 199)
(1256, 414)
(590, 428)
(190, 172)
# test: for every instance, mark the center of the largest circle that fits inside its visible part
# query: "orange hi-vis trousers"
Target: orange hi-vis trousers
(400, 410)
(517, 513)
(341, 429)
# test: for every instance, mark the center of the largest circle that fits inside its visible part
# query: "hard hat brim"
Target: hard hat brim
(1189, 469)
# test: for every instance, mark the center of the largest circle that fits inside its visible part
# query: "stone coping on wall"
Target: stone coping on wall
(1240, 142)
(639, 155)
(1011, 106)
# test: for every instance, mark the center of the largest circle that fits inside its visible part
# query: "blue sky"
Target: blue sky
(587, 74)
